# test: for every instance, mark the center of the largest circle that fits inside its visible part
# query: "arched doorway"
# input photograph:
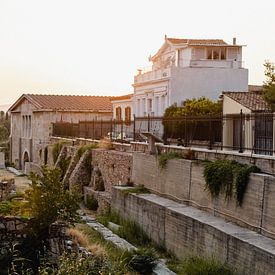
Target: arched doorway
(25, 159)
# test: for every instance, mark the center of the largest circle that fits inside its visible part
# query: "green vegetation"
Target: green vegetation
(140, 189)
(118, 261)
(57, 147)
(228, 177)
(269, 84)
(4, 133)
(128, 230)
(200, 266)
(91, 202)
(48, 192)
(194, 107)
(81, 150)
(142, 260)
(163, 158)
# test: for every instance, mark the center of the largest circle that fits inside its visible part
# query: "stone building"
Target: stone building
(32, 117)
(188, 68)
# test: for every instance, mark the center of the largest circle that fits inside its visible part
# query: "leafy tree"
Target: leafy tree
(195, 107)
(49, 201)
(269, 84)
(4, 126)
(180, 129)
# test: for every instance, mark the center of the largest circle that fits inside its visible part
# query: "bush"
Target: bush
(91, 203)
(48, 193)
(142, 260)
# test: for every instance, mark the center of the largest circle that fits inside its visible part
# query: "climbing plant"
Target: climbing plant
(228, 177)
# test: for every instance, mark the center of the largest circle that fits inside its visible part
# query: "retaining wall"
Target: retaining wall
(188, 231)
(182, 180)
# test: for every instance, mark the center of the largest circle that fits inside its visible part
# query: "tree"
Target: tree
(49, 201)
(195, 107)
(269, 84)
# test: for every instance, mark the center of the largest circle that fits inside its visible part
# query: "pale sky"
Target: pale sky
(95, 47)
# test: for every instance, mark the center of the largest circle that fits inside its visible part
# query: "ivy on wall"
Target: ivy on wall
(228, 177)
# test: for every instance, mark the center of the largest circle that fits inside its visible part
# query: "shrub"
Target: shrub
(48, 193)
(91, 202)
(142, 260)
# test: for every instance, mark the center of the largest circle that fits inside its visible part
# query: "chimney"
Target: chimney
(234, 40)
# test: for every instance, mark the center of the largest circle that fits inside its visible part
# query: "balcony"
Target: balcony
(216, 64)
(146, 76)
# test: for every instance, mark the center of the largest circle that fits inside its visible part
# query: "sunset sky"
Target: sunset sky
(95, 47)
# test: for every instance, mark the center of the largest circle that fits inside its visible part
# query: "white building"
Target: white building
(123, 107)
(188, 68)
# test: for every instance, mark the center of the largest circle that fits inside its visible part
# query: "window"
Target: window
(128, 114)
(118, 113)
(150, 105)
(216, 53)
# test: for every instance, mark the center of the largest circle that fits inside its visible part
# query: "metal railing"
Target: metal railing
(240, 132)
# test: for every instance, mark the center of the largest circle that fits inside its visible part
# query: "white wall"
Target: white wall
(123, 104)
(209, 82)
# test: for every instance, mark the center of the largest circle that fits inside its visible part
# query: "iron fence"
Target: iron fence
(241, 132)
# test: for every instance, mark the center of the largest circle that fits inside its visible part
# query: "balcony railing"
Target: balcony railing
(216, 64)
(152, 75)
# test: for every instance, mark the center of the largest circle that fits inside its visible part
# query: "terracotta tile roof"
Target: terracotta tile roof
(197, 41)
(122, 97)
(250, 100)
(71, 102)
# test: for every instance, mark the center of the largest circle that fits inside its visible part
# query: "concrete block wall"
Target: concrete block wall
(188, 231)
(182, 180)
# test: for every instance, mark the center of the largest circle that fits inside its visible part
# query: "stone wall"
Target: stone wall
(116, 167)
(188, 231)
(182, 180)
(81, 175)
(12, 229)
(103, 198)
(7, 186)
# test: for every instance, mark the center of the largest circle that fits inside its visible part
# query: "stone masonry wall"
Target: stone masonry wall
(188, 231)
(182, 180)
(116, 167)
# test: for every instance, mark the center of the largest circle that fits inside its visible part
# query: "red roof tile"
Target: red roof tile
(197, 41)
(122, 97)
(250, 100)
(70, 102)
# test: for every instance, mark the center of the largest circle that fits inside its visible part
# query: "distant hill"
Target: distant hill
(5, 107)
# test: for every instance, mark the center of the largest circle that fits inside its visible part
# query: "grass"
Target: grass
(195, 265)
(140, 189)
(128, 230)
(116, 257)
(163, 158)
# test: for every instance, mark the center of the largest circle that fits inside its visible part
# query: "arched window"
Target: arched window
(128, 114)
(118, 113)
